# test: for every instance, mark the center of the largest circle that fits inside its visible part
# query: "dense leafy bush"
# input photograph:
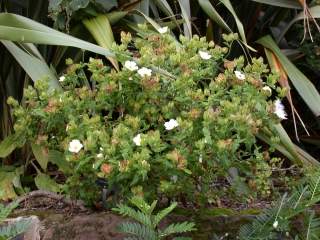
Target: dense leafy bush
(178, 119)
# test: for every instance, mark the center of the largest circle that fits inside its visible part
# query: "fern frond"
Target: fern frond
(160, 215)
(178, 228)
(14, 229)
(142, 205)
(313, 228)
(6, 210)
(139, 230)
(124, 210)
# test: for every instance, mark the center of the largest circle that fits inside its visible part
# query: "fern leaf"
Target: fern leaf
(6, 210)
(178, 228)
(160, 215)
(137, 229)
(14, 229)
(124, 210)
(142, 205)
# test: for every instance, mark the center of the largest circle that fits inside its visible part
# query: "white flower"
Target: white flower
(99, 155)
(137, 139)
(174, 178)
(163, 30)
(279, 109)
(62, 78)
(275, 224)
(171, 124)
(204, 55)
(131, 65)
(75, 146)
(267, 89)
(144, 72)
(200, 158)
(240, 75)
(130, 78)
(101, 149)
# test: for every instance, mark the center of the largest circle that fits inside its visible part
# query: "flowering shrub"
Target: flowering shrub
(176, 120)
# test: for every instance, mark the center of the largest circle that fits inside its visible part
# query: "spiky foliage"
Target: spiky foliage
(290, 218)
(6, 210)
(11, 230)
(146, 225)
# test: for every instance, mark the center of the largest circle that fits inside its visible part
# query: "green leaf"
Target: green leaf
(213, 14)
(287, 148)
(36, 68)
(107, 5)
(116, 16)
(163, 213)
(281, 3)
(41, 154)
(302, 84)
(78, 4)
(186, 15)
(139, 216)
(9, 144)
(7, 182)
(101, 30)
(44, 182)
(21, 29)
(58, 158)
(178, 228)
(142, 232)
(239, 24)
(315, 12)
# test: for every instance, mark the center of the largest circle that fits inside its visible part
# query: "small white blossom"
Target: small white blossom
(174, 178)
(267, 89)
(101, 149)
(240, 75)
(275, 224)
(137, 139)
(62, 78)
(144, 72)
(130, 78)
(163, 30)
(279, 109)
(200, 158)
(75, 146)
(99, 155)
(171, 124)
(131, 65)
(204, 55)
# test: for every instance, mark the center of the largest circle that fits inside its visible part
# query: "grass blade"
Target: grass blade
(314, 11)
(281, 3)
(186, 15)
(302, 84)
(101, 30)
(34, 67)
(21, 29)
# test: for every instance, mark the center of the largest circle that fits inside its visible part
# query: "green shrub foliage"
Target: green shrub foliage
(178, 119)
